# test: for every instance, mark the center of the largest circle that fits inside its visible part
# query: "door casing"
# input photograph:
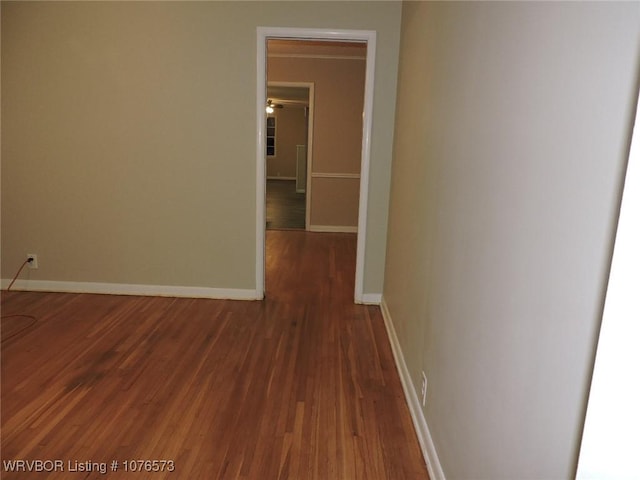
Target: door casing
(365, 36)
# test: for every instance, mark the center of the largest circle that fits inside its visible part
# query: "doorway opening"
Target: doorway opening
(289, 141)
(324, 179)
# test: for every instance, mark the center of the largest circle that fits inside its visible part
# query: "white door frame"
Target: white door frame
(263, 34)
(310, 86)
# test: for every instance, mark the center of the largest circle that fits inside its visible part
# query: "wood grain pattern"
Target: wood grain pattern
(299, 386)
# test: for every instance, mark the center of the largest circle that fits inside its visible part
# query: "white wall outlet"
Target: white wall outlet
(34, 262)
(424, 389)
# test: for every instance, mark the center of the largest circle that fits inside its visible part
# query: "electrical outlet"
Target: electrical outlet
(34, 260)
(424, 389)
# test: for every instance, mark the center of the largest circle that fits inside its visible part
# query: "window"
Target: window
(271, 136)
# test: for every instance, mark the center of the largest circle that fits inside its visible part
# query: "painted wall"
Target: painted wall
(337, 140)
(291, 130)
(121, 160)
(609, 448)
(512, 132)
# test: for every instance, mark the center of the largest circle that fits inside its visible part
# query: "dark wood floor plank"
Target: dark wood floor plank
(301, 386)
(285, 208)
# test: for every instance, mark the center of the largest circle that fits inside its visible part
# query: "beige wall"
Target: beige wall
(337, 136)
(334, 201)
(512, 130)
(128, 137)
(291, 130)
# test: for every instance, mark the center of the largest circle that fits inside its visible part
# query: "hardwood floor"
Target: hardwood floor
(286, 208)
(300, 386)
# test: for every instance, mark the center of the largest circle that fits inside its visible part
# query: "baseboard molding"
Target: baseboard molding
(419, 421)
(371, 298)
(129, 289)
(333, 228)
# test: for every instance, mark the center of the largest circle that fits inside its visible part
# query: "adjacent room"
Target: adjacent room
(316, 92)
(287, 139)
(314, 240)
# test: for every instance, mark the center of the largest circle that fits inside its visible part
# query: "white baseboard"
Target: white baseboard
(333, 228)
(370, 299)
(129, 289)
(419, 421)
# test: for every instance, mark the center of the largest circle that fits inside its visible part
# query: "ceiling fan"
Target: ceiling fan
(271, 106)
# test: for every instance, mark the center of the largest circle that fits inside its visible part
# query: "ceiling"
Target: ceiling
(288, 96)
